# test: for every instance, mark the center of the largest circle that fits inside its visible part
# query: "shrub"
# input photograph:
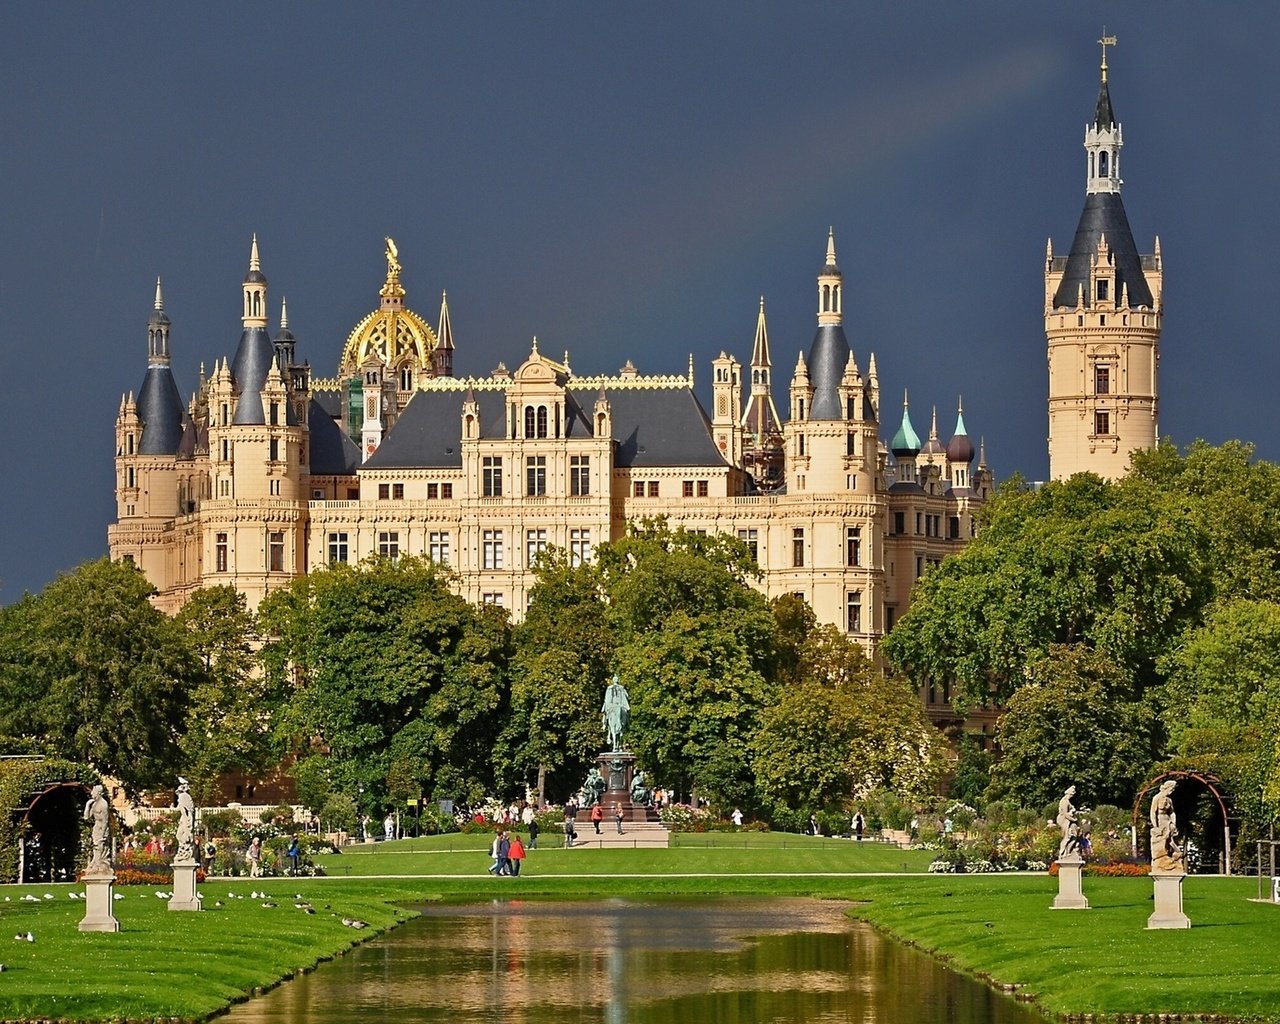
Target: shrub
(685, 818)
(220, 823)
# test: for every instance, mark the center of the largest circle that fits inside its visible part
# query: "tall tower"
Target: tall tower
(1102, 317)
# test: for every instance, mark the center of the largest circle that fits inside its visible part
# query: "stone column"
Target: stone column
(99, 914)
(184, 886)
(1168, 901)
(1070, 889)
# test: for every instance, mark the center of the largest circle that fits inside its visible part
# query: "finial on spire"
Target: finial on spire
(391, 288)
(690, 369)
(1104, 42)
(284, 313)
(905, 403)
(831, 246)
(933, 427)
(159, 295)
(535, 345)
(254, 263)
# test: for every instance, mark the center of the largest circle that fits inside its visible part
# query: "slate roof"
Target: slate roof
(827, 358)
(1103, 115)
(332, 452)
(652, 427)
(330, 402)
(160, 410)
(1103, 214)
(249, 369)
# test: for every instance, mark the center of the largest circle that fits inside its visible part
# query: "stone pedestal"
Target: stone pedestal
(99, 913)
(184, 886)
(1070, 890)
(618, 767)
(1168, 905)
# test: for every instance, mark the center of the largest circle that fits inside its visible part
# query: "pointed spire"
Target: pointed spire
(960, 448)
(535, 346)
(690, 369)
(760, 358)
(284, 313)
(933, 427)
(159, 296)
(831, 246)
(872, 375)
(906, 442)
(254, 262)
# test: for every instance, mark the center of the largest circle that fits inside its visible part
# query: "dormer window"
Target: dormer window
(1103, 290)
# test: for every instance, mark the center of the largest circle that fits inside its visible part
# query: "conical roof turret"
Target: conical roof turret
(906, 442)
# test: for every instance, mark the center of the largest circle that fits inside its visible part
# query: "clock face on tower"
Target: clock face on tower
(370, 446)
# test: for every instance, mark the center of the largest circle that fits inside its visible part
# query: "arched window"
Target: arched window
(542, 421)
(1091, 168)
(826, 298)
(1102, 164)
(835, 298)
(528, 421)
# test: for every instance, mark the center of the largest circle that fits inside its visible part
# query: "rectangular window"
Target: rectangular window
(687, 488)
(1103, 290)
(226, 450)
(275, 552)
(653, 488)
(797, 547)
(491, 476)
(446, 491)
(433, 491)
(535, 544)
(899, 522)
(752, 539)
(220, 553)
(273, 449)
(1102, 380)
(850, 446)
(853, 608)
(919, 566)
(274, 419)
(919, 521)
(637, 489)
(384, 492)
(397, 492)
(579, 475)
(492, 551)
(853, 545)
(703, 488)
(535, 476)
(890, 616)
(1102, 423)
(493, 599)
(953, 528)
(389, 545)
(579, 546)
(438, 547)
(337, 548)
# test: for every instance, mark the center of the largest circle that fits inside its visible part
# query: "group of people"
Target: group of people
(508, 853)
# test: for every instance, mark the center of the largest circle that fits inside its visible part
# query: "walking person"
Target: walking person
(533, 833)
(292, 854)
(493, 852)
(617, 817)
(254, 856)
(736, 817)
(504, 854)
(858, 826)
(597, 816)
(516, 853)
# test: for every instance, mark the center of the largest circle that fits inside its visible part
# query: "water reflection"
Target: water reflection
(634, 962)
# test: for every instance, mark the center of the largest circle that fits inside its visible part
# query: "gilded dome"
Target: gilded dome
(391, 334)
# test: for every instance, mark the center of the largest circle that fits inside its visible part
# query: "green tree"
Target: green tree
(563, 649)
(231, 715)
(1222, 702)
(694, 648)
(91, 669)
(1076, 721)
(842, 730)
(392, 675)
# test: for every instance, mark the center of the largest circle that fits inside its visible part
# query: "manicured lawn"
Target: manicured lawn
(1097, 961)
(710, 853)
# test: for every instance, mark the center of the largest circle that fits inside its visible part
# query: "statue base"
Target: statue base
(1168, 899)
(1070, 890)
(99, 912)
(184, 886)
(617, 768)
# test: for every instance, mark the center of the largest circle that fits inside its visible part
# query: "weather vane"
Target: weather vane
(1105, 41)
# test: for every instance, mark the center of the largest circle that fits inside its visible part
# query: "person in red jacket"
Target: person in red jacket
(597, 816)
(516, 853)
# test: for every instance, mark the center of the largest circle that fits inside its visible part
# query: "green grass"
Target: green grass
(1099, 961)
(708, 853)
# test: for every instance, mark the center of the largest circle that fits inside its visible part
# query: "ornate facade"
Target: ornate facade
(1103, 306)
(267, 472)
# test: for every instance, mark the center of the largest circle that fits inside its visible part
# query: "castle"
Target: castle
(268, 472)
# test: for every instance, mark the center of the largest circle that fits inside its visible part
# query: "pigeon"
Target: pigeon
(269, 905)
(48, 895)
(30, 937)
(2, 967)
(28, 898)
(6, 899)
(353, 923)
(117, 896)
(217, 903)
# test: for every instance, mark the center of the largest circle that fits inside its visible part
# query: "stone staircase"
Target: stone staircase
(635, 835)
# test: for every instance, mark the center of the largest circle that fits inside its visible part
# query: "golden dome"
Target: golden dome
(393, 335)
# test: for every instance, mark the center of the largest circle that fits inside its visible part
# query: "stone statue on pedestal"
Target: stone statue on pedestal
(97, 810)
(615, 713)
(1166, 854)
(1068, 822)
(593, 788)
(186, 822)
(639, 790)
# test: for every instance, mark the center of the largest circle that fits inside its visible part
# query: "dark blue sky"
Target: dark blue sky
(623, 181)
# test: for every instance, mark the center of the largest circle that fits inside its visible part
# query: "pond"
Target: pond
(657, 961)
